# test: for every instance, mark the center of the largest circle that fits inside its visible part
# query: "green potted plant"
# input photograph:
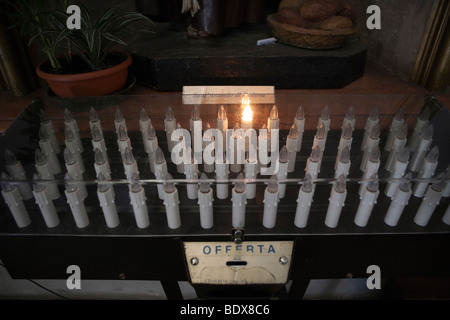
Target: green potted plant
(84, 61)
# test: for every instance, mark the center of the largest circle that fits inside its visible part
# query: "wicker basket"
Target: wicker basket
(308, 38)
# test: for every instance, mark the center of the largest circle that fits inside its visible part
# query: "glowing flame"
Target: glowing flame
(247, 115)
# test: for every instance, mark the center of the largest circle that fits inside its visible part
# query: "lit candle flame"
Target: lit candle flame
(247, 114)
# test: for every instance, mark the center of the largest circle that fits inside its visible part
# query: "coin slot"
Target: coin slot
(236, 263)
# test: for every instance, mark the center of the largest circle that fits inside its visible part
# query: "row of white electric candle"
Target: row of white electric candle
(76, 195)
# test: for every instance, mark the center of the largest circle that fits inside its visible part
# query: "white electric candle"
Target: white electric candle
(446, 216)
(424, 144)
(271, 198)
(105, 196)
(98, 142)
(160, 170)
(263, 155)
(181, 145)
(399, 168)
(222, 124)
(72, 124)
(372, 142)
(151, 142)
(273, 123)
(299, 122)
(236, 150)
(13, 199)
(251, 172)
(319, 141)
(372, 120)
(247, 115)
(222, 171)
(422, 122)
(446, 192)
(42, 167)
(101, 164)
(304, 200)
(17, 172)
(123, 141)
(397, 145)
(325, 120)
(196, 127)
(291, 145)
(191, 173)
(343, 165)
(119, 120)
(170, 124)
(368, 200)
(42, 196)
(72, 145)
(144, 123)
(75, 201)
(337, 201)
(344, 142)
(239, 200)
(74, 170)
(429, 203)
(283, 163)
(49, 152)
(94, 121)
(205, 200)
(426, 171)
(396, 124)
(138, 201)
(129, 164)
(349, 119)
(372, 167)
(171, 203)
(47, 125)
(399, 202)
(313, 163)
(208, 140)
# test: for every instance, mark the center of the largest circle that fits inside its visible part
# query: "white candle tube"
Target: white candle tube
(184, 142)
(429, 203)
(75, 201)
(13, 199)
(17, 172)
(123, 141)
(372, 142)
(319, 141)
(399, 168)
(101, 164)
(271, 198)
(337, 202)
(396, 124)
(368, 200)
(344, 142)
(129, 164)
(423, 146)
(222, 125)
(43, 200)
(349, 119)
(263, 154)
(47, 125)
(98, 142)
(312, 163)
(205, 200)
(282, 171)
(191, 173)
(372, 167)
(119, 121)
(239, 200)
(42, 167)
(196, 128)
(151, 143)
(222, 172)
(160, 170)
(397, 145)
(251, 172)
(398, 203)
(422, 122)
(106, 196)
(304, 200)
(138, 201)
(291, 145)
(273, 123)
(372, 121)
(325, 120)
(72, 146)
(446, 192)
(236, 150)
(74, 170)
(446, 216)
(426, 171)
(299, 122)
(144, 123)
(171, 203)
(47, 150)
(170, 125)
(72, 124)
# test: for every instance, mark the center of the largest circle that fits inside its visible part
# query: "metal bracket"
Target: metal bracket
(237, 235)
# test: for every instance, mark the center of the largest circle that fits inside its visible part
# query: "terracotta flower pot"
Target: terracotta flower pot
(95, 83)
